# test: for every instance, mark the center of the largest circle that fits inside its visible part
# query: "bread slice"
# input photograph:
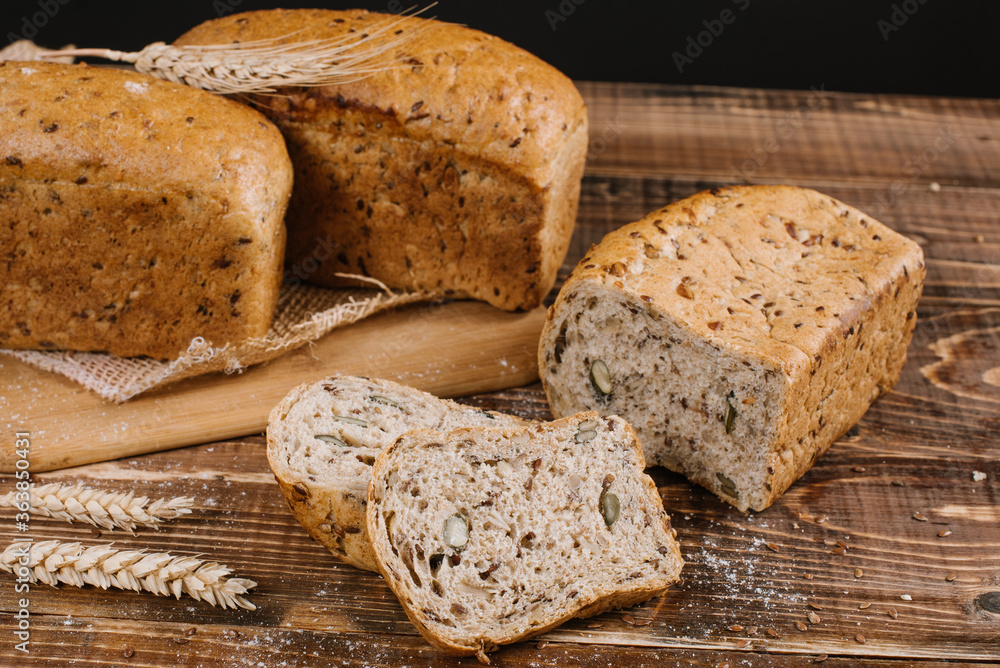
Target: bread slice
(489, 536)
(323, 438)
(740, 331)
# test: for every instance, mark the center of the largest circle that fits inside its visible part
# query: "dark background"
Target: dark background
(929, 47)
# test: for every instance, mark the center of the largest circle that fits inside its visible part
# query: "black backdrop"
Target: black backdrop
(936, 47)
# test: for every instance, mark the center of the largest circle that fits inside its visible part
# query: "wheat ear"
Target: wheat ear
(160, 573)
(102, 509)
(264, 66)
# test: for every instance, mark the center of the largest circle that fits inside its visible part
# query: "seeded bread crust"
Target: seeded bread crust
(135, 214)
(325, 482)
(743, 330)
(469, 158)
(545, 542)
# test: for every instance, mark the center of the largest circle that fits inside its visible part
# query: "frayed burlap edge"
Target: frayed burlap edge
(304, 313)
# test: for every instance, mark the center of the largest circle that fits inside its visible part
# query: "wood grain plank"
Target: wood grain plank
(732, 579)
(744, 135)
(450, 349)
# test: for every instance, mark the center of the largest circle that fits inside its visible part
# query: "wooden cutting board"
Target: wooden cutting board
(449, 349)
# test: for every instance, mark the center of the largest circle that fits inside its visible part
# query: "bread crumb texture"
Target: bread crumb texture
(468, 156)
(323, 438)
(489, 536)
(135, 214)
(741, 332)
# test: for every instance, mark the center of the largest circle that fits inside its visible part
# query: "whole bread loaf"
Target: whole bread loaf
(135, 214)
(455, 172)
(323, 438)
(741, 332)
(489, 536)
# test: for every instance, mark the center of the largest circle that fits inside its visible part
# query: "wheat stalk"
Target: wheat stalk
(161, 573)
(25, 49)
(102, 509)
(264, 66)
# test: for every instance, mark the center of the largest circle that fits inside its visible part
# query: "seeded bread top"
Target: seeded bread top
(91, 125)
(773, 270)
(458, 86)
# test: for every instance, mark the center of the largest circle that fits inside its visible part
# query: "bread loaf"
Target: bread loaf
(488, 536)
(740, 331)
(323, 438)
(455, 172)
(135, 214)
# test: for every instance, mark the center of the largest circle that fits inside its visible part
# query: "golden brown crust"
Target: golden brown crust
(469, 158)
(798, 285)
(140, 214)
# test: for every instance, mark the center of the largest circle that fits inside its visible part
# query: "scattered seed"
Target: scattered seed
(838, 550)
(752, 631)
(906, 597)
(944, 533)
(892, 613)
(95, 533)
(181, 641)
(829, 541)
(594, 625)
(842, 544)
(858, 469)
(815, 606)
(628, 619)
(600, 378)
(773, 633)
(800, 626)
(722, 665)
(541, 645)
(821, 519)
(979, 238)
(743, 644)
(813, 618)
(456, 531)
(191, 631)
(861, 639)
(129, 652)
(919, 517)
(864, 606)
(611, 507)
(897, 483)
(821, 658)
(350, 420)
(808, 576)
(643, 622)
(951, 577)
(858, 573)
(736, 628)
(772, 547)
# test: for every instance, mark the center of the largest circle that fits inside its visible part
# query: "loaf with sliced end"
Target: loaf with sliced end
(135, 214)
(741, 332)
(323, 438)
(468, 154)
(489, 536)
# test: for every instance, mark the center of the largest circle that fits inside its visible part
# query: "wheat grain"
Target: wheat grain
(107, 510)
(264, 66)
(104, 566)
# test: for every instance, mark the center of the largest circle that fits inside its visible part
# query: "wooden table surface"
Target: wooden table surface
(861, 541)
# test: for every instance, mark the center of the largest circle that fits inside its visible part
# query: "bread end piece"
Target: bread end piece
(490, 536)
(741, 331)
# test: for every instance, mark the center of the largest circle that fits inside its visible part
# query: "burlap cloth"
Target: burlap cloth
(304, 313)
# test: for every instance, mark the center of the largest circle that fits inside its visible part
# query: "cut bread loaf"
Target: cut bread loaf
(468, 156)
(740, 331)
(323, 438)
(489, 536)
(135, 214)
